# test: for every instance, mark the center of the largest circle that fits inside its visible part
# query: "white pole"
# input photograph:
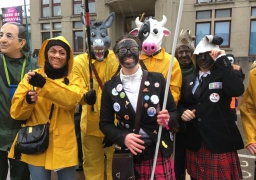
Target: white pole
(167, 83)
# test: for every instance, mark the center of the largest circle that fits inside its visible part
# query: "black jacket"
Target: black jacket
(214, 124)
(117, 134)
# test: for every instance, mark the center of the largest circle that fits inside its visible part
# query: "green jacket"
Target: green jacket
(8, 126)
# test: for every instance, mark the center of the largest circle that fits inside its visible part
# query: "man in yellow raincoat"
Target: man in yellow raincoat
(58, 89)
(104, 65)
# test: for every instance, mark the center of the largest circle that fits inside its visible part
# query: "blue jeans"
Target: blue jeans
(40, 173)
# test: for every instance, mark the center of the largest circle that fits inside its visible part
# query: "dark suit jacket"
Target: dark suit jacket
(117, 134)
(214, 124)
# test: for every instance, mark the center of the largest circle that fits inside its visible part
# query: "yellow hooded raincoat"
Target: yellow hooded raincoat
(62, 151)
(248, 110)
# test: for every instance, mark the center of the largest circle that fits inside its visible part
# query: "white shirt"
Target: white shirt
(201, 74)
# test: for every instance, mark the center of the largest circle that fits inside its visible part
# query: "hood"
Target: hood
(41, 58)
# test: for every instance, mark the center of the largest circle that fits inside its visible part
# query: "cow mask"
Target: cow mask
(150, 32)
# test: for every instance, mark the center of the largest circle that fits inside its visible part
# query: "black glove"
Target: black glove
(28, 98)
(90, 97)
(37, 80)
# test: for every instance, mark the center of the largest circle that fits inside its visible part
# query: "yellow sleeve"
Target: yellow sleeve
(248, 110)
(176, 80)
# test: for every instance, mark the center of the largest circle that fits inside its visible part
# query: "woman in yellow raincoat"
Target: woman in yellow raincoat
(54, 85)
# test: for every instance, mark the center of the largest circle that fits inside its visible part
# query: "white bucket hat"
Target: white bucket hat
(208, 43)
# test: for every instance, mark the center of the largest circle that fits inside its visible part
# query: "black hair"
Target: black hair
(126, 36)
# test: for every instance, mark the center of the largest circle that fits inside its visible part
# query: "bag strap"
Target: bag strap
(139, 102)
(143, 66)
(97, 77)
(2, 72)
(50, 115)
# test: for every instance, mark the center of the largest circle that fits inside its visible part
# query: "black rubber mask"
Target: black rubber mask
(204, 60)
(127, 50)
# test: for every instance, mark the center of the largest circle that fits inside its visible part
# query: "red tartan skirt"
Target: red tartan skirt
(204, 165)
(164, 168)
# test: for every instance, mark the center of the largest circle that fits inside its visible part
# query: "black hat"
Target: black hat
(55, 42)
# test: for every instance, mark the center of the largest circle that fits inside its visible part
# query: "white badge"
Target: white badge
(214, 97)
(114, 92)
(119, 87)
(154, 99)
(116, 107)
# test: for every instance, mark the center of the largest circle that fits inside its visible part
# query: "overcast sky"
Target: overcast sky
(10, 3)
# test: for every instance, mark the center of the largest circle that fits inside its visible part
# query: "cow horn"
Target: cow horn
(162, 23)
(138, 23)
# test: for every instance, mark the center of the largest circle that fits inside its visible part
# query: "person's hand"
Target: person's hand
(31, 97)
(134, 143)
(188, 115)
(36, 79)
(252, 148)
(90, 97)
(215, 53)
(163, 115)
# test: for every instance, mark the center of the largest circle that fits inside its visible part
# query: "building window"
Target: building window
(253, 11)
(77, 9)
(222, 29)
(91, 4)
(221, 25)
(203, 14)
(202, 29)
(45, 9)
(45, 35)
(46, 26)
(252, 49)
(78, 41)
(56, 8)
(223, 13)
(77, 24)
(56, 26)
(56, 33)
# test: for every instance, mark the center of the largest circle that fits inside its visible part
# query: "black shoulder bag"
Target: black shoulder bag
(123, 163)
(33, 139)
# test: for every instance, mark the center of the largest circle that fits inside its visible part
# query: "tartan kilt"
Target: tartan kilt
(204, 165)
(164, 168)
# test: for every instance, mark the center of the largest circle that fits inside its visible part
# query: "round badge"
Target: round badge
(122, 123)
(147, 83)
(122, 95)
(146, 105)
(156, 84)
(214, 97)
(151, 111)
(119, 87)
(127, 126)
(191, 83)
(114, 92)
(146, 97)
(116, 107)
(154, 99)
(126, 117)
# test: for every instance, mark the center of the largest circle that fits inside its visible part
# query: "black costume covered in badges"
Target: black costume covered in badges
(125, 114)
(214, 124)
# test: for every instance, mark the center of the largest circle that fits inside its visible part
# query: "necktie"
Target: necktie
(199, 87)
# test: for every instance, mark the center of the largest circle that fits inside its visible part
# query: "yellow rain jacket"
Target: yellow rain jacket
(62, 151)
(248, 110)
(105, 69)
(160, 63)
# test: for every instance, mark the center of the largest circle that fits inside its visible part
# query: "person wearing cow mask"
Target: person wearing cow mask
(104, 65)
(212, 137)
(153, 57)
(183, 52)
